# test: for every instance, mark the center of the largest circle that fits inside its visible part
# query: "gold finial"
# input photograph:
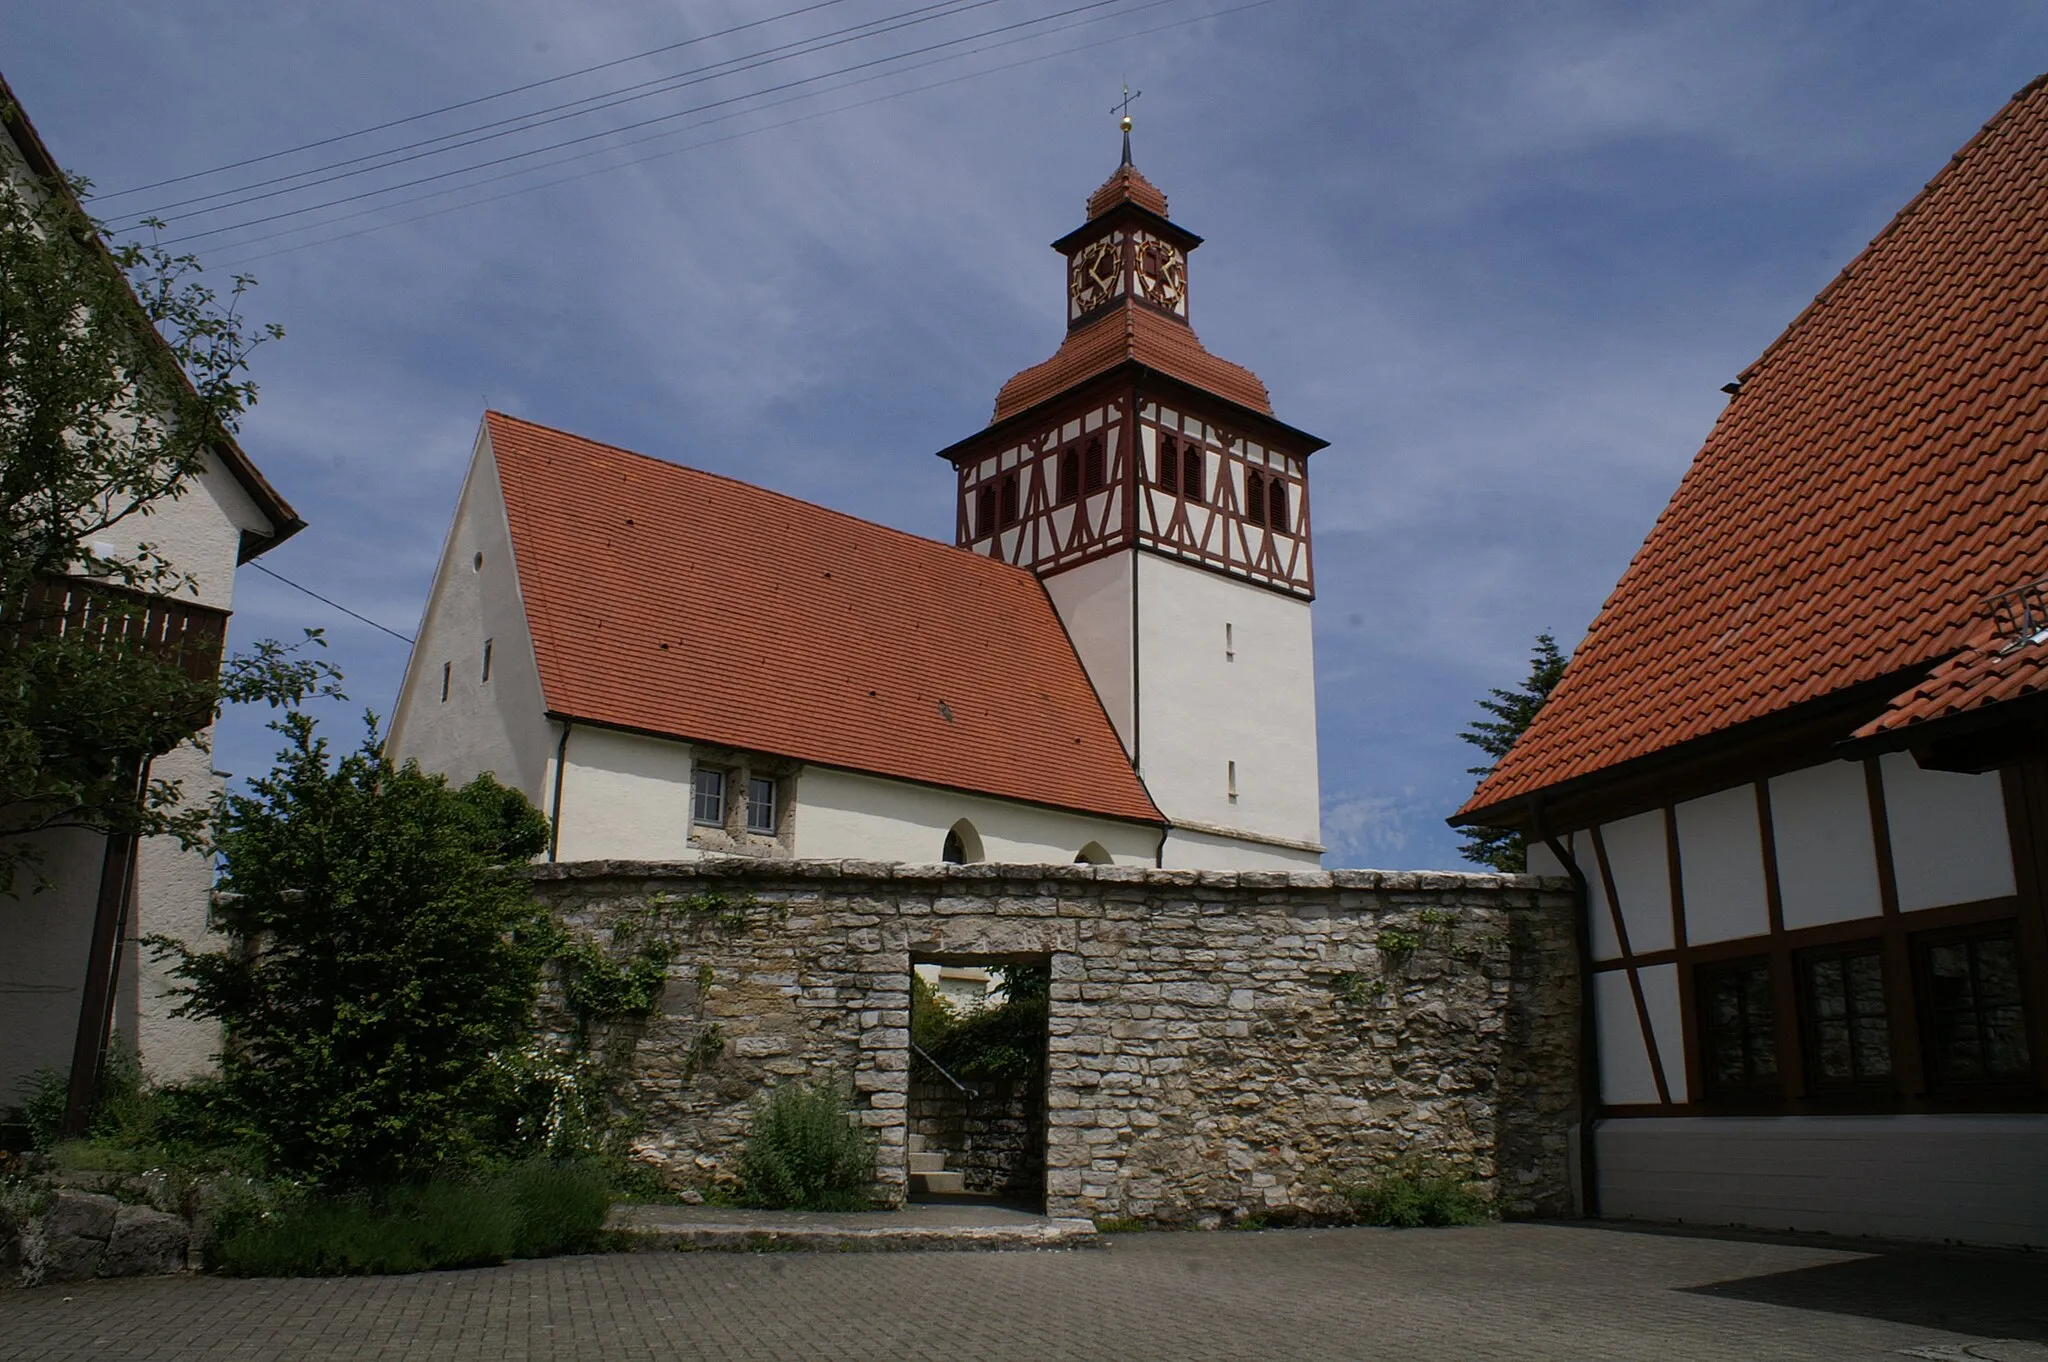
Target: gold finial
(1124, 108)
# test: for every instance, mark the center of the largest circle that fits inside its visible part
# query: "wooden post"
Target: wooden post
(102, 971)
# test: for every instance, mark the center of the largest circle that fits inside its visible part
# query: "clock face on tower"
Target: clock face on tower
(1094, 277)
(1162, 275)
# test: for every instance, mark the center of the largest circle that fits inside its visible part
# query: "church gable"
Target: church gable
(680, 604)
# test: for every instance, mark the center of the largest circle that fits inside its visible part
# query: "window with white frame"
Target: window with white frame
(761, 805)
(707, 797)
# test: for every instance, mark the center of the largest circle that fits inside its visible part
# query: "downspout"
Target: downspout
(1589, 1024)
(555, 818)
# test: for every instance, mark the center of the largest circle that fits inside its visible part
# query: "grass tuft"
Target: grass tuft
(1414, 1194)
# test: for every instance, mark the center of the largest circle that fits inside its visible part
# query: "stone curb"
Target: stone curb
(772, 1236)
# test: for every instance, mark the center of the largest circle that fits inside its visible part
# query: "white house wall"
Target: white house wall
(498, 725)
(1948, 834)
(1095, 604)
(1722, 866)
(1812, 831)
(1207, 700)
(1190, 849)
(844, 814)
(1827, 862)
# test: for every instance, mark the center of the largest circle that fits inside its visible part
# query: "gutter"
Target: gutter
(555, 818)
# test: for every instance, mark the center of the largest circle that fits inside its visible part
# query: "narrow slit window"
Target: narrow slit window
(1229, 642)
(761, 805)
(1191, 473)
(984, 512)
(707, 798)
(1070, 475)
(1230, 780)
(1168, 465)
(1095, 467)
(1255, 496)
(487, 660)
(1276, 504)
(447, 675)
(1009, 512)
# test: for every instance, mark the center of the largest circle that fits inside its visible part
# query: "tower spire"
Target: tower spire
(1123, 107)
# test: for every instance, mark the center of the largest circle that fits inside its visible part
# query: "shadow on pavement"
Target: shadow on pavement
(1992, 1293)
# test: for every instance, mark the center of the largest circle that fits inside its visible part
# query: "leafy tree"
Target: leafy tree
(1512, 712)
(382, 956)
(119, 370)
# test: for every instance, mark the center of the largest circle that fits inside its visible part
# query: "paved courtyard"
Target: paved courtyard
(1500, 1291)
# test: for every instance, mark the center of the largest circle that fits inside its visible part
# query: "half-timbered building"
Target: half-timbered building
(1111, 663)
(1800, 767)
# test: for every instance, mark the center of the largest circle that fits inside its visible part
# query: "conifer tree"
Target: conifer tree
(1512, 711)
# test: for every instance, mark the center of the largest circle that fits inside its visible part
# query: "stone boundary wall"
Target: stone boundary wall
(1222, 1044)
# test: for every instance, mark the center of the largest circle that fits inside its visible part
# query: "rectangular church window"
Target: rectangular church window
(984, 512)
(1009, 512)
(1738, 1027)
(1255, 496)
(761, 803)
(1070, 475)
(1191, 473)
(1276, 503)
(1970, 993)
(1848, 1033)
(1169, 465)
(1096, 467)
(707, 797)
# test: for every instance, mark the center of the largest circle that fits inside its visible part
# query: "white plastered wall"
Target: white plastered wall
(1827, 858)
(1204, 705)
(1948, 834)
(847, 815)
(498, 725)
(1639, 862)
(1094, 603)
(1721, 866)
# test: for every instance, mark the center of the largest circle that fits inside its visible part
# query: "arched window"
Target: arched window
(1255, 496)
(1168, 464)
(1191, 473)
(984, 512)
(1070, 474)
(1096, 466)
(1009, 500)
(1092, 854)
(1276, 501)
(963, 844)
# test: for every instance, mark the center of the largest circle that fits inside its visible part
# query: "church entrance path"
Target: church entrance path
(1518, 1291)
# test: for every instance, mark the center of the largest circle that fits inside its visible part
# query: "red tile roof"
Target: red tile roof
(1126, 186)
(1884, 467)
(1132, 332)
(1987, 673)
(681, 603)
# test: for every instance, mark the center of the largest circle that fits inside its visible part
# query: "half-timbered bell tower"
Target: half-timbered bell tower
(1150, 486)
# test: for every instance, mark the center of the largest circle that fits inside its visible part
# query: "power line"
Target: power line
(771, 104)
(604, 99)
(324, 601)
(715, 141)
(648, 122)
(467, 103)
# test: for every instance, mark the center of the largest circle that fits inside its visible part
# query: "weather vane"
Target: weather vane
(1124, 108)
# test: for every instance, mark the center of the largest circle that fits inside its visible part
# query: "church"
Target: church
(1112, 662)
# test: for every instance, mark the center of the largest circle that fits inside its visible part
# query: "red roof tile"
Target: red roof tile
(1132, 332)
(681, 603)
(1989, 672)
(1126, 186)
(1883, 468)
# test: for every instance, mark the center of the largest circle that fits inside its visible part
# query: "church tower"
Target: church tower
(1166, 509)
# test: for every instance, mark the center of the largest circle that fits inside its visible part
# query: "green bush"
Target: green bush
(533, 1210)
(382, 955)
(1411, 1194)
(804, 1152)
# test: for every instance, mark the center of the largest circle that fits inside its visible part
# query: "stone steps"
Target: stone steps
(928, 1174)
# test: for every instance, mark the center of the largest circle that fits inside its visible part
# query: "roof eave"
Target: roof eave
(1144, 217)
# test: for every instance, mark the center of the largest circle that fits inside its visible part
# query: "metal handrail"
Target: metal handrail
(926, 1057)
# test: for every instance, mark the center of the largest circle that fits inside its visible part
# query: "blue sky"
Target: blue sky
(1501, 256)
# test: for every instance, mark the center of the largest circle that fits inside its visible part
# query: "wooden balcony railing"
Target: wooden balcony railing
(185, 634)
